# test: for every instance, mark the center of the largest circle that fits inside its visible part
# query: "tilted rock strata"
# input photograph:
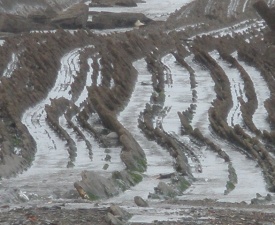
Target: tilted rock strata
(73, 18)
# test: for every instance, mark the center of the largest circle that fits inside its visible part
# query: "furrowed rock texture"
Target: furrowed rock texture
(200, 36)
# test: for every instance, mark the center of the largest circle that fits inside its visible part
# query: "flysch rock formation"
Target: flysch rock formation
(49, 16)
(192, 90)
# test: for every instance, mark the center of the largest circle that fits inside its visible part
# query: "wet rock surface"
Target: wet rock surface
(168, 123)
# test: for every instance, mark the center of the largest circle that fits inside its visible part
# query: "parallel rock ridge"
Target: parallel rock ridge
(182, 108)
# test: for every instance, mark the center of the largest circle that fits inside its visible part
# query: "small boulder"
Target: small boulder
(112, 135)
(94, 186)
(119, 212)
(140, 202)
(268, 197)
(111, 219)
(108, 158)
(165, 189)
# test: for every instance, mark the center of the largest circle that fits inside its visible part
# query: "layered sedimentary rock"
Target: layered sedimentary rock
(268, 14)
(73, 18)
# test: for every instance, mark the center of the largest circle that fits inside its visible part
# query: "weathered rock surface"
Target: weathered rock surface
(119, 212)
(165, 189)
(112, 220)
(140, 201)
(73, 18)
(126, 178)
(96, 186)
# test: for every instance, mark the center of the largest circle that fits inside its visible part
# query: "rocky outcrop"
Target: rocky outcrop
(73, 18)
(119, 212)
(94, 186)
(108, 3)
(107, 20)
(132, 154)
(111, 219)
(166, 190)
(117, 215)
